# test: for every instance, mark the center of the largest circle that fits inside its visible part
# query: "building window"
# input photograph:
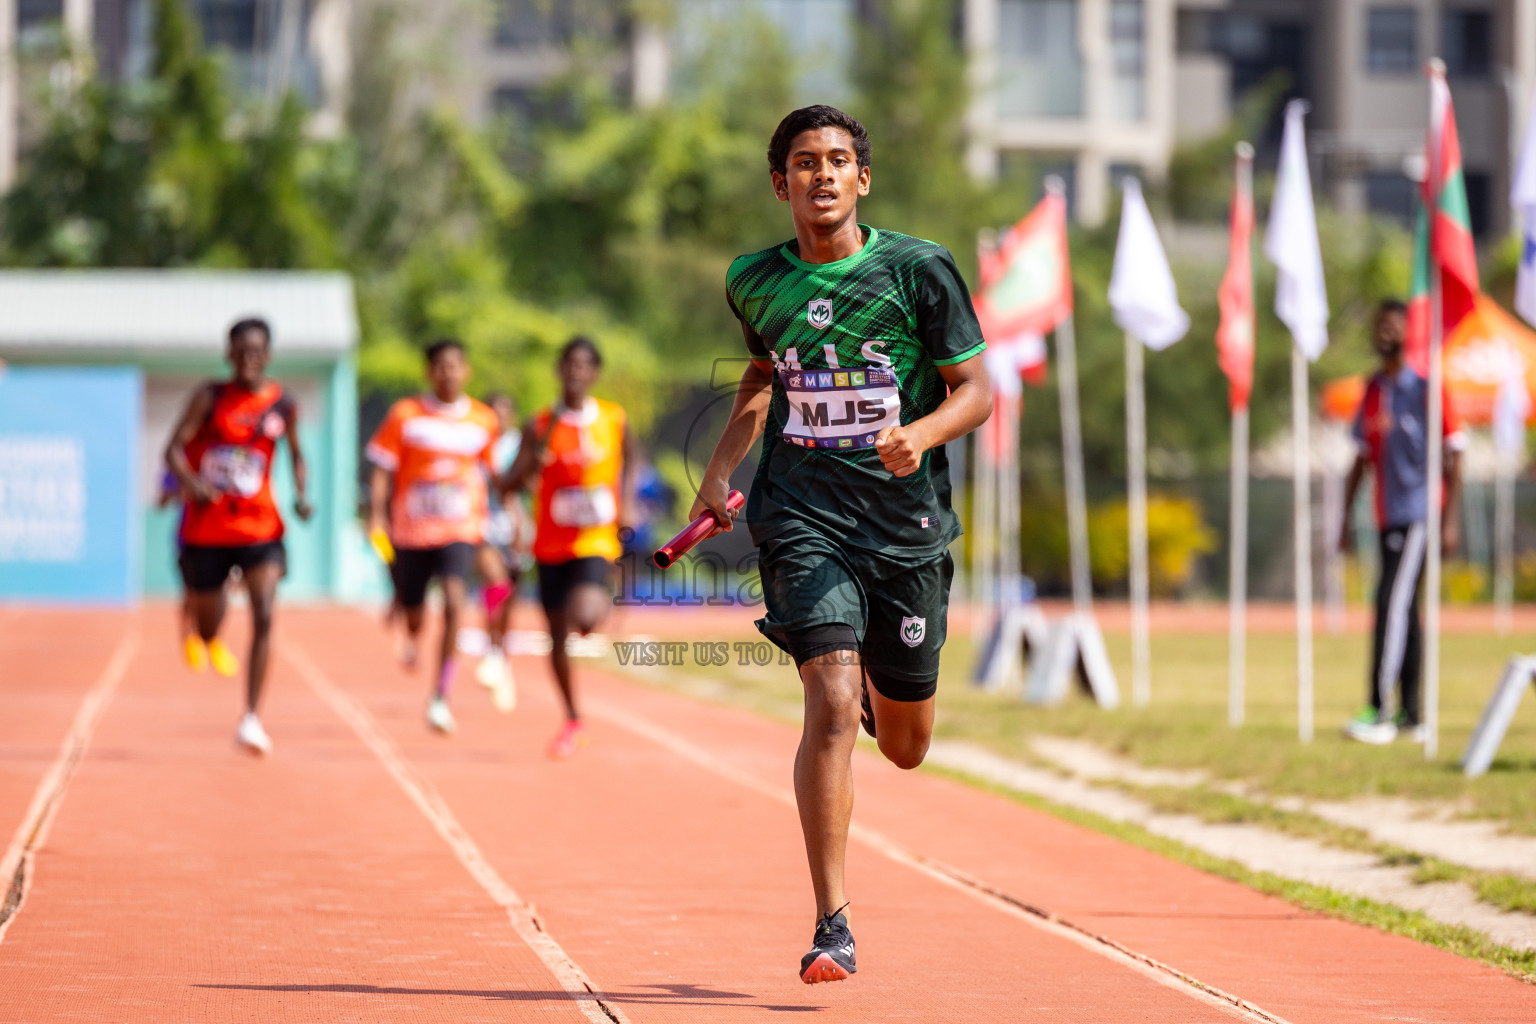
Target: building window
(1391, 40)
(1128, 50)
(1392, 194)
(531, 24)
(1467, 43)
(1479, 200)
(232, 24)
(1040, 69)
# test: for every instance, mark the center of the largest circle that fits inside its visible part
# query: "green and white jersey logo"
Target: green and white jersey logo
(818, 313)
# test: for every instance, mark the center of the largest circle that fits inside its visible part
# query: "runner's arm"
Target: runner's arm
(529, 454)
(965, 408)
(1351, 488)
(301, 505)
(629, 474)
(749, 413)
(378, 499)
(192, 420)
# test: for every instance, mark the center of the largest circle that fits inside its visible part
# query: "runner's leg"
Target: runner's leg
(261, 584)
(207, 610)
(903, 728)
(455, 590)
(587, 606)
(824, 770)
(559, 660)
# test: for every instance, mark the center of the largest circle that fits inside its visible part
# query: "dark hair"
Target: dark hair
(251, 323)
(581, 341)
(1391, 305)
(808, 119)
(442, 345)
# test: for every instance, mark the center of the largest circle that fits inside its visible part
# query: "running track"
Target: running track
(369, 871)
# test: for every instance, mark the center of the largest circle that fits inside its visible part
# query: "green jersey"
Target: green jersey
(856, 346)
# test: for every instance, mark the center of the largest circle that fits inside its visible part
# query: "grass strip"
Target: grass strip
(1412, 924)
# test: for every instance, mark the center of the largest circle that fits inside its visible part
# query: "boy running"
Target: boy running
(435, 449)
(221, 451)
(864, 362)
(581, 451)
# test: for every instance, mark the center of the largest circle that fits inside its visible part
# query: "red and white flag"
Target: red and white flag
(1234, 337)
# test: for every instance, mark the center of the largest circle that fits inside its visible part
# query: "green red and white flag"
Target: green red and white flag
(1026, 289)
(1443, 233)
(1234, 336)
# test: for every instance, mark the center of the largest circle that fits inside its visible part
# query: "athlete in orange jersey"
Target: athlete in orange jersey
(437, 450)
(581, 451)
(222, 451)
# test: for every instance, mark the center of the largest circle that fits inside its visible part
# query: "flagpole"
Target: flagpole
(1302, 516)
(1434, 449)
(1072, 449)
(1237, 588)
(1136, 466)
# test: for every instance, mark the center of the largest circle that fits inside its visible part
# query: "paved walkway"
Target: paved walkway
(372, 871)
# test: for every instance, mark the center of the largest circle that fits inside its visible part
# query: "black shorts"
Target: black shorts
(206, 567)
(557, 579)
(897, 620)
(414, 568)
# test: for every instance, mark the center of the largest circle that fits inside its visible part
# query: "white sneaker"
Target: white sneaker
(1377, 734)
(439, 717)
(504, 693)
(252, 736)
(1414, 733)
(492, 665)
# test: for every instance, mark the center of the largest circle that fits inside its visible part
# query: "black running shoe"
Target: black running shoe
(831, 956)
(866, 711)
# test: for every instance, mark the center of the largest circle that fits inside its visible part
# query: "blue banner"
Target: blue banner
(69, 463)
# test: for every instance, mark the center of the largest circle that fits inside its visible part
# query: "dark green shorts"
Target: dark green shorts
(900, 619)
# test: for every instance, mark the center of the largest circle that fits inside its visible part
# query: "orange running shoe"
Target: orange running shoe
(195, 653)
(223, 659)
(571, 738)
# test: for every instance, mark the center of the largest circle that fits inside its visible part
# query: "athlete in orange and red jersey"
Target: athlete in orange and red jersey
(222, 453)
(437, 450)
(582, 453)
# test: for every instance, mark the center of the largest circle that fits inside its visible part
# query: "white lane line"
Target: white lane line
(424, 795)
(1045, 920)
(16, 864)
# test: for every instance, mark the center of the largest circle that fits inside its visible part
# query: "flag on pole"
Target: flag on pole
(1234, 337)
(1141, 289)
(1290, 242)
(1443, 232)
(1522, 200)
(1026, 282)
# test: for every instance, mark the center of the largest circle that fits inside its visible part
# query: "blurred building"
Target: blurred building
(270, 47)
(1084, 88)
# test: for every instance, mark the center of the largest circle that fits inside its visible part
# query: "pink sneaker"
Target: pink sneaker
(571, 738)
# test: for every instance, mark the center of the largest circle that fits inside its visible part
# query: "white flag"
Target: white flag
(1141, 288)
(1511, 409)
(1522, 201)
(1290, 242)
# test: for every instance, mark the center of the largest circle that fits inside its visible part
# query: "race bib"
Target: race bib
(581, 507)
(440, 499)
(840, 408)
(234, 469)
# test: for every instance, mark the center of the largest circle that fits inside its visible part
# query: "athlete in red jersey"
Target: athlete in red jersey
(222, 452)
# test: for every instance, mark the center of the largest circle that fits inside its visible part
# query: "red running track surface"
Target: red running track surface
(372, 871)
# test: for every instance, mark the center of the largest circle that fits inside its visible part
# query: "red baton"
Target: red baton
(694, 532)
